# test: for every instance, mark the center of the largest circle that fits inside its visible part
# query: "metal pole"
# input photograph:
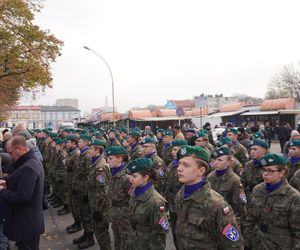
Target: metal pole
(112, 81)
(200, 117)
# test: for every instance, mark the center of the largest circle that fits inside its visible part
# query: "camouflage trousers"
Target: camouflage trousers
(62, 192)
(102, 233)
(74, 204)
(121, 234)
(86, 216)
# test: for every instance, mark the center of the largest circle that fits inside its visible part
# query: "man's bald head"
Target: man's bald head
(16, 147)
(17, 129)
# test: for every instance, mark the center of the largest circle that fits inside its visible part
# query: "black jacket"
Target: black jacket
(24, 216)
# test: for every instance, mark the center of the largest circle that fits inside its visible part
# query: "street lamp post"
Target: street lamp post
(112, 80)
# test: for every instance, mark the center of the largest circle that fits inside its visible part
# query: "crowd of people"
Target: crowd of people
(233, 193)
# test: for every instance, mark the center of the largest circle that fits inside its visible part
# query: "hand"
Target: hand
(3, 183)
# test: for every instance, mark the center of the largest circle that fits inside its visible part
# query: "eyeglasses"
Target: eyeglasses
(269, 171)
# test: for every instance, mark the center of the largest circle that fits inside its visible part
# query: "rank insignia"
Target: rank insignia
(231, 233)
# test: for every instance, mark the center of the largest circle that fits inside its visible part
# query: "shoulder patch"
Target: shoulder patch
(164, 223)
(100, 179)
(161, 172)
(243, 197)
(231, 233)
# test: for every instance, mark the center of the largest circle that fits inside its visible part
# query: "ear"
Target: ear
(201, 171)
(146, 177)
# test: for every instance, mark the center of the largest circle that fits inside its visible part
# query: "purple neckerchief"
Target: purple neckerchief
(167, 146)
(84, 149)
(271, 187)
(116, 170)
(140, 190)
(256, 163)
(294, 160)
(133, 146)
(149, 155)
(221, 172)
(234, 142)
(95, 158)
(72, 149)
(175, 163)
(189, 189)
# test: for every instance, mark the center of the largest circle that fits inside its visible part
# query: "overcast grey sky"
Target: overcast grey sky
(168, 49)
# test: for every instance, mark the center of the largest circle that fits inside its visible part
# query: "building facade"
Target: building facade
(71, 102)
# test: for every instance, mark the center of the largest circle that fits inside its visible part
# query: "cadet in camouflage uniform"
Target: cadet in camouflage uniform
(224, 181)
(135, 150)
(167, 150)
(240, 152)
(204, 219)
(81, 184)
(294, 160)
(149, 215)
(273, 220)
(235, 165)
(149, 148)
(112, 138)
(98, 184)
(119, 187)
(173, 185)
(71, 163)
(159, 136)
(61, 176)
(201, 140)
(252, 174)
(295, 180)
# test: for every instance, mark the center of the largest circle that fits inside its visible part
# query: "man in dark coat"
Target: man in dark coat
(22, 191)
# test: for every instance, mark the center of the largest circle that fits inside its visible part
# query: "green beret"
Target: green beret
(115, 150)
(201, 134)
(294, 143)
(52, 135)
(59, 141)
(168, 133)
(149, 140)
(138, 165)
(72, 130)
(258, 135)
(148, 132)
(71, 138)
(46, 131)
(198, 152)
(273, 159)
(205, 131)
(261, 143)
(49, 129)
(86, 137)
(224, 141)
(160, 130)
(114, 130)
(232, 130)
(178, 143)
(98, 142)
(220, 152)
(135, 133)
(83, 131)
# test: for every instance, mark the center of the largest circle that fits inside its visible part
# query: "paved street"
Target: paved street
(56, 236)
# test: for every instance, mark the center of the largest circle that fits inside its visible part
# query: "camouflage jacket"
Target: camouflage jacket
(160, 167)
(159, 148)
(241, 153)
(135, 152)
(273, 220)
(167, 155)
(236, 166)
(205, 221)
(98, 185)
(118, 193)
(295, 180)
(59, 163)
(251, 176)
(82, 173)
(173, 185)
(71, 162)
(113, 142)
(149, 220)
(292, 169)
(230, 187)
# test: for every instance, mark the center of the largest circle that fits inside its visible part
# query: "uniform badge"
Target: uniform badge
(164, 223)
(101, 179)
(183, 151)
(226, 210)
(243, 197)
(161, 172)
(231, 233)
